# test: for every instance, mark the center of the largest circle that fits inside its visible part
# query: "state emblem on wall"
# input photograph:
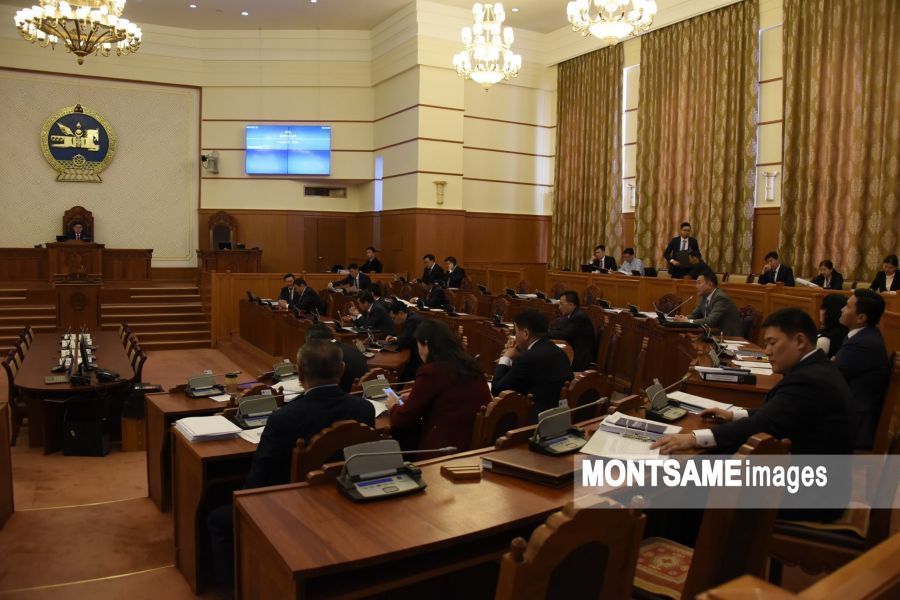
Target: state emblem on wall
(78, 143)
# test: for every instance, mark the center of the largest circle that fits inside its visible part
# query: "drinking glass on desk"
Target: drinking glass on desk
(231, 383)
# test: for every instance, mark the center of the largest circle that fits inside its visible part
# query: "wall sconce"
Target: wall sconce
(770, 184)
(439, 190)
(632, 196)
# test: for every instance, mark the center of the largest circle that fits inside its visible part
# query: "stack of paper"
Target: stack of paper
(201, 429)
(757, 368)
(636, 427)
(252, 435)
(696, 404)
(611, 445)
(220, 397)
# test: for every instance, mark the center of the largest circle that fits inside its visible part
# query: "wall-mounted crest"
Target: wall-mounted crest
(78, 143)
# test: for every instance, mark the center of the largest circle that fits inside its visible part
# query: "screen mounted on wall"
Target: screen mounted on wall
(288, 150)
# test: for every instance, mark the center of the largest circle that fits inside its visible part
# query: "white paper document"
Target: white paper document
(198, 429)
(612, 445)
(252, 435)
(380, 407)
(619, 423)
(697, 404)
(220, 397)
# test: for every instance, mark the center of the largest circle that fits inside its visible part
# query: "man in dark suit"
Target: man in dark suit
(372, 264)
(532, 363)
(286, 295)
(812, 405)
(355, 365)
(455, 273)
(435, 297)
(774, 271)
(355, 280)
(306, 299)
(698, 266)
(886, 280)
(432, 272)
(602, 261)
(863, 361)
(676, 253)
(78, 233)
(370, 315)
(409, 322)
(320, 368)
(828, 278)
(715, 308)
(576, 328)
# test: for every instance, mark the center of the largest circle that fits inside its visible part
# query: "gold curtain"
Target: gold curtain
(696, 140)
(587, 202)
(841, 187)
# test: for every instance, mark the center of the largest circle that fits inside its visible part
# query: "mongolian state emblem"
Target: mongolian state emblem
(78, 143)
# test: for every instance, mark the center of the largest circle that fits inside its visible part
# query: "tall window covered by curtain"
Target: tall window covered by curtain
(697, 135)
(841, 193)
(587, 204)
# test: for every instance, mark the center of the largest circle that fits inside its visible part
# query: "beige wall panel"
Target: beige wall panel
(400, 192)
(769, 137)
(148, 197)
(509, 136)
(771, 12)
(632, 51)
(771, 52)
(487, 196)
(272, 194)
(427, 191)
(396, 93)
(397, 128)
(281, 73)
(630, 126)
(629, 160)
(231, 134)
(770, 101)
(400, 159)
(440, 124)
(441, 87)
(441, 157)
(512, 103)
(293, 103)
(632, 86)
(508, 167)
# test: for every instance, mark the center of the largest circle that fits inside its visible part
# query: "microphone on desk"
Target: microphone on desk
(383, 472)
(680, 305)
(555, 412)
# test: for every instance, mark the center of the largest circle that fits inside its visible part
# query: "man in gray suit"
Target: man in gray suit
(715, 309)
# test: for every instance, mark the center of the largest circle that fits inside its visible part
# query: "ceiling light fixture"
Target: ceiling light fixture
(611, 20)
(244, 13)
(487, 57)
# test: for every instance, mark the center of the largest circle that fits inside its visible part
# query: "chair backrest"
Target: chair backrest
(725, 276)
(750, 278)
(889, 421)
(500, 307)
(591, 295)
(751, 319)
(733, 541)
(607, 353)
(557, 289)
(577, 553)
(587, 388)
(138, 365)
(640, 367)
(507, 411)
(524, 287)
(79, 214)
(326, 445)
(11, 371)
(21, 349)
(669, 304)
(222, 228)
(880, 518)
(628, 405)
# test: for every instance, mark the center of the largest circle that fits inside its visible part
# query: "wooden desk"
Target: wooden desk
(261, 326)
(6, 483)
(739, 394)
(235, 261)
(44, 429)
(78, 303)
(72, 255)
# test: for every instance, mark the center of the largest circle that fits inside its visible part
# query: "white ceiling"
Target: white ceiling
(542, 16)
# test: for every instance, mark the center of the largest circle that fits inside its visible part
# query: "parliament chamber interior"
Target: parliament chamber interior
(440, 299)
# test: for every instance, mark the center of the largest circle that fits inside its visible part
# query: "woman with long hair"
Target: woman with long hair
(832, 333)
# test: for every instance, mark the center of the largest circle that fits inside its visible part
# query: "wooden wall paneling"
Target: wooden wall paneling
(442, 233)
(398, 243)
(890, 328)
(180, 274)
(126, 264)
(766, 231)
(24, 264)
(364, 230)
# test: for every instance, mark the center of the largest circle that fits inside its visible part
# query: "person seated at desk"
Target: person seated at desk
(575, 327)
(432, 272)
(409, 321)
(286, 295)
(532, 363)
(372, 264)
(828, 278)
(630, 263)
(601, 261)
(676, 253)
(370, 314)
(775, 272)
(448, 391)
(78, 233)
(716, 308)
(375, 288)
(355, 365)
(306, 299)
(698, 266)
(434, 297)
(887, 280)
(320, 368)
(833, 333)
(455, 273)
(863, 360)
(354, 281)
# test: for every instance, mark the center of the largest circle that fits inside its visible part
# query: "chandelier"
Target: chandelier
(612, 20)
(84, 26)
(487, 57)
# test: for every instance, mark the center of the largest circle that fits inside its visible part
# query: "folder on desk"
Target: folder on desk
(523, 463)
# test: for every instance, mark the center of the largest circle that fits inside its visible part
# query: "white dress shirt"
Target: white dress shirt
(505, 360)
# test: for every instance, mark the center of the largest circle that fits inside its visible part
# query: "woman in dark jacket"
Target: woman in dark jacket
(448, 391)
(832, 333)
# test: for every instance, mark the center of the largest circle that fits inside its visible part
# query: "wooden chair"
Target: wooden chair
(17, 407)
(371, 374)
(577, 553)
(524, 287)
(326, 445)
(138, 365)
(750, 278)
(501, 307)
(587, 388)
(79, 214)
(557, 290)
(825, 547)
(669, 304)
(640, 367)
(27, 337)
(466, 285)
(507, 411)
(889, 421)
(751, 319)
(591, 295)
(725, 277)
(731, 542)
(629, 405)
(222, 228)
(607, 349)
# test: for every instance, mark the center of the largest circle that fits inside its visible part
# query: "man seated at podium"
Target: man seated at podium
(354, 281)
(78, 233)
(320, 367)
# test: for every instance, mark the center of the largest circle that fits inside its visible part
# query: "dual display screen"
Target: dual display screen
(288, 150)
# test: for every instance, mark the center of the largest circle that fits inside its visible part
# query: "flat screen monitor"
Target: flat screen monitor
(288, 150)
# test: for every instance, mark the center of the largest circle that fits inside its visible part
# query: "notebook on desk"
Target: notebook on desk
(523, 463)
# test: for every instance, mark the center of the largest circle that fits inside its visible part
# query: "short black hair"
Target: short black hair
(352, 266)
(571, 296)
(451, 259)
(696, 254)
(685, 224)
(628, 251)
(710, 277)
(600, 247)
(832, 305)
(534, 321)
(869, 303)
(375, 288)
(398, 307)
(827, 264)
(286, 275)
(300, 281)
(320, 360)
(319, 331)
(366, 296)
(772, 254)
(428, 257)
(372, 248)
(792, 320)
(890, 259)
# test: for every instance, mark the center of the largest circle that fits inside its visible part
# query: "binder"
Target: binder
(554, 471)
(736, 377)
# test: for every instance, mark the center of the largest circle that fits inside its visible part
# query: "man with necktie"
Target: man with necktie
(433, 271)
(601, 261)
(775, 272)
(715, 308)
(677, 253)
(78, 233)
(354, 281)
(286, 296)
